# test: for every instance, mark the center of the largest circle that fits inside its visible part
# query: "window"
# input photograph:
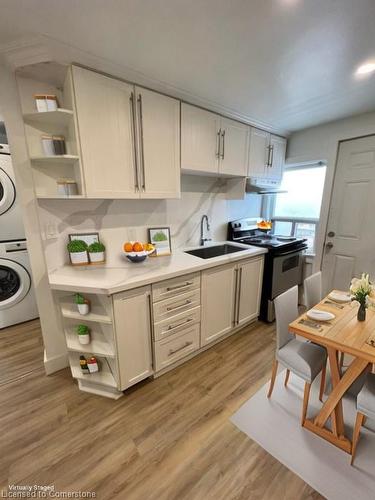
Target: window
(296, 212)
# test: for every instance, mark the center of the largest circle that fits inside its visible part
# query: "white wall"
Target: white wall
(321, 143)
(120, 220)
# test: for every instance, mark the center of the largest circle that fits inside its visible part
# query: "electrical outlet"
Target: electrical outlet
(50, 231)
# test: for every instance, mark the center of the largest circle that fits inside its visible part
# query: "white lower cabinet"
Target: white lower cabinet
(249, 285)
(132, 315)
(218, 298)
(172, 349)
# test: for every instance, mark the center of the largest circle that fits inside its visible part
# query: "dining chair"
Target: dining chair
(313, 294)
(304, 359)
(365, 408)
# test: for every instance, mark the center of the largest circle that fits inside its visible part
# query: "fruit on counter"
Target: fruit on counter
(137, 247)
(128, 247)
(149, 247)
(264, 224)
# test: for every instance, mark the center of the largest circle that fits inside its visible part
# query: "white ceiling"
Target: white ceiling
(285, 63)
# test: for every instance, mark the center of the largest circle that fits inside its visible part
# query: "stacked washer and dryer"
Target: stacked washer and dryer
(17, 296)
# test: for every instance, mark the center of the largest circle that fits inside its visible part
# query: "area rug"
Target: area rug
(275, 425)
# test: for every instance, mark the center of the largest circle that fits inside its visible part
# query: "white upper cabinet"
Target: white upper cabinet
(234, 148)
(130, 138)
(277, 157)
(267, 155)
(212, 144)
(104, 116)
(159, 144)
(200, 131)
(259, 151)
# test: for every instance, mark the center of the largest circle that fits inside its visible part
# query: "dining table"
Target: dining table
(344, 333)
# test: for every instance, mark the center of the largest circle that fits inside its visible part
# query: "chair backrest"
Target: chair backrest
(313, 289)
(286, 309)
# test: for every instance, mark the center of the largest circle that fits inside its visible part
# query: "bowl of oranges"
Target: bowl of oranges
(136, 251)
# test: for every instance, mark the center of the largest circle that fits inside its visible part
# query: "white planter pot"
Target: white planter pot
(96, 256)
(84, 339)
(79, 258)
(83, 309)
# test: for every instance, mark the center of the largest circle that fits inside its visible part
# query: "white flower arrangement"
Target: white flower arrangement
(362, 290)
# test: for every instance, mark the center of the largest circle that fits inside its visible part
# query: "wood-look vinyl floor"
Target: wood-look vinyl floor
(169, 438)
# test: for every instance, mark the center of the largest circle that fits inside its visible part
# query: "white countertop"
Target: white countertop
(109, 280)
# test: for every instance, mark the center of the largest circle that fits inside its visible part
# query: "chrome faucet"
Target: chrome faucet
(203, 240)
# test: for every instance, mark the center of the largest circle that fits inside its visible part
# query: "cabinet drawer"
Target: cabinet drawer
(175, 286)
(175, 325)
(176, 305)
(170, 350)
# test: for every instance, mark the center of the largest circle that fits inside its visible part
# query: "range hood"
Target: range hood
(262, 185)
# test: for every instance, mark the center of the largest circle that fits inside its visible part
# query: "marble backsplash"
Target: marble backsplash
(121, 220)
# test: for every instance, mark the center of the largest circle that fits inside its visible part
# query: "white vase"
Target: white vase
(96, 256)
(79, 258)
(84, 339)
(83, 309)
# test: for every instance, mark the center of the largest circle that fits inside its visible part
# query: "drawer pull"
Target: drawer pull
(187, 302)
(173, 351)
(172, 327)
(171, 288)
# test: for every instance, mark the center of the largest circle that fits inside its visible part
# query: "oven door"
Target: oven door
(287, 271)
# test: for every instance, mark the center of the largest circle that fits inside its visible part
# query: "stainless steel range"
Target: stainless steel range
(282, 264)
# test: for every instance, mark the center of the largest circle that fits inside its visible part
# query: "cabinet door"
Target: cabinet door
(132, 316)
(158, 119)
(277, 157)
(104, 116)
(249, 290)
(258, 156)
(199, 140)
(218, 293)
(234, 148)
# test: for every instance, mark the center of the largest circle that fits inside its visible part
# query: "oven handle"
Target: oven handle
(296, 250)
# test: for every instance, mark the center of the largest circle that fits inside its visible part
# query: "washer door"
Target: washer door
(15, 283)
(7, 192)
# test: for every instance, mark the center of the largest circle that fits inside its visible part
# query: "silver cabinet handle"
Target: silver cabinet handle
(170, 288)
(239, 295)
(134, 139)
(271, 159)
(173, 351)
(172, 327)
(268, 156)
(218, 142)
(142, 151)
(235, 296)
(187, 302)
(223, 150)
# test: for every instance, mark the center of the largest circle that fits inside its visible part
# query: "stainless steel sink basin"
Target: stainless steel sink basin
(214, 251)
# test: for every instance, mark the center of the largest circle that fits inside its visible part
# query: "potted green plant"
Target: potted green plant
(83, 333)
(82, 304)
(96, 252)
(78, 252)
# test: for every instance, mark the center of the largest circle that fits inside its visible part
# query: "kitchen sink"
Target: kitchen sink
(214, 251)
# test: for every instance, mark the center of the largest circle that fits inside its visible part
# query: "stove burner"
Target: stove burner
(286, 238)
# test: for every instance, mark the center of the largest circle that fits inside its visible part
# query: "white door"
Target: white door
(249, 290)
(277, 157)
(350, 238)
(217, 302)
(158, 119)
(105, 122)
(132, 314)
(234, 148)
(259, 152)
(200, 131)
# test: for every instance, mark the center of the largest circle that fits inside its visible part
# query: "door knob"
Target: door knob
(331, 234)
(329, 244)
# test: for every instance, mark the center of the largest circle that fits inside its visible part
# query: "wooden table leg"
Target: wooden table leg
(337, 416)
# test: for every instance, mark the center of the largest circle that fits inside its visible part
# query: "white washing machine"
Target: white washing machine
(17, 296)
(11, 224)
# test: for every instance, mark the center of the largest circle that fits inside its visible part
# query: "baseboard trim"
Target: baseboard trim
(56, 363)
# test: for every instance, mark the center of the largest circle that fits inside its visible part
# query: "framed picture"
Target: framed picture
(88, 238)
(161, 239)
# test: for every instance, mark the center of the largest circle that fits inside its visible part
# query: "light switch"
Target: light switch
(50, 231)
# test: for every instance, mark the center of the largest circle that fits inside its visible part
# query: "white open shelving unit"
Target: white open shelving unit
(47, 170)
(102, 344)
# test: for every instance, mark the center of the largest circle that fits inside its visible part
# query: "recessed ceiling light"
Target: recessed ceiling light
(366, 68)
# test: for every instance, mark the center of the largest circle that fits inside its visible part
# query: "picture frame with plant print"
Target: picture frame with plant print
(160, 237)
